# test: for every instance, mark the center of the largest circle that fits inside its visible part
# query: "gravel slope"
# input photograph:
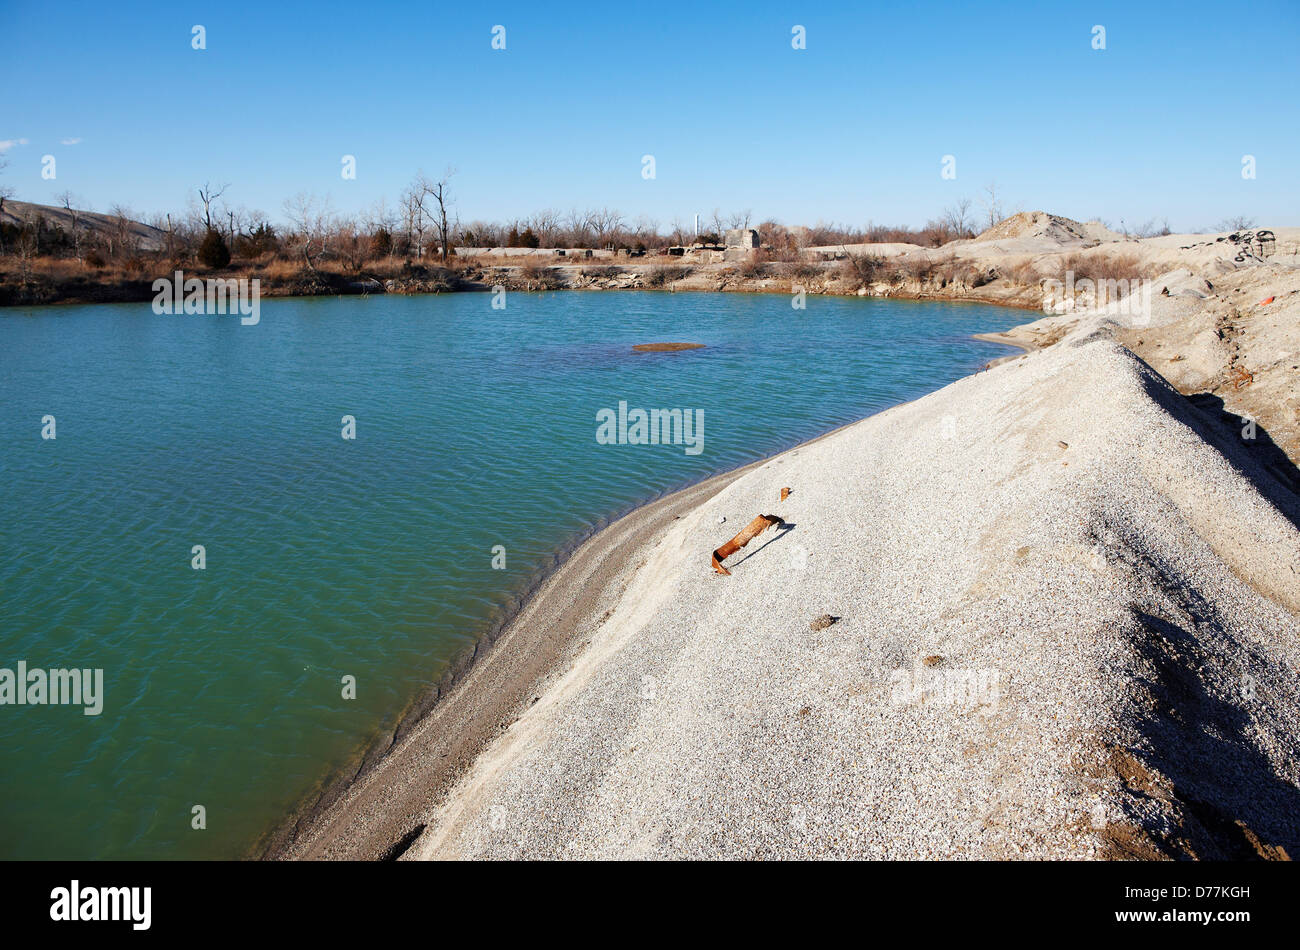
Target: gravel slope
(1067, 628)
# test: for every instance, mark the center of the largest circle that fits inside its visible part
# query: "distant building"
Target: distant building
(741, 243)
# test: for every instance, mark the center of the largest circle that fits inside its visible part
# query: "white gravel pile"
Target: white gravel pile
(1066, 628)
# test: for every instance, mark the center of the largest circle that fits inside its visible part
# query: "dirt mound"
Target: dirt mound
(1062, 231)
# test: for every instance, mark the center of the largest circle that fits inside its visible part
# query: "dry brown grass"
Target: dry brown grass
(660, 275)
(1103, 266)
(803, 270)
(534, 276)
(1026, 273)
(864, 269)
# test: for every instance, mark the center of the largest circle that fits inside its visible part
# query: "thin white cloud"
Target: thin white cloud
(69, 141)
(7, 144)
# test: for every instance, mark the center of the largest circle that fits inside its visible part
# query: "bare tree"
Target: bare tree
(647, 231)
(234, 218)
(479, 234)
(718, 224)
(1238, 222)
(122, 239)
(605, 224)
(739, 219)
(207, 195)
(310, 217)
(992, 203)
(414, 214)
(441, 194)
(424, 204)
(680, 230)
(546, 224)
(579, 224)
(68, 199)
(957, 218)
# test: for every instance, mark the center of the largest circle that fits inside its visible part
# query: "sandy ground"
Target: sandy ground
(1068, 608)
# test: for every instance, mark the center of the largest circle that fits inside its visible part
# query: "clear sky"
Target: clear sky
(851, 129)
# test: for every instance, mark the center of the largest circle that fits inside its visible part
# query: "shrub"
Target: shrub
(261, 240)
(213, 251)
(1098, 267)
(381, 243)
(1025, 273)
(863, 268)
(659, 276)
(801, 270)
(533, 276)
(917, 267)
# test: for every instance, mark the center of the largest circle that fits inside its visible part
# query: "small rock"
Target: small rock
(722, 519)
(1064, 445)
(933, 660)
(822, 622)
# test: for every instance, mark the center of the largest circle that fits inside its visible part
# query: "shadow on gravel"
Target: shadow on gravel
(1231, 802)
(781, 531)
(1259, 460)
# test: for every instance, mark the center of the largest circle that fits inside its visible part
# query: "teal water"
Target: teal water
(327, 557)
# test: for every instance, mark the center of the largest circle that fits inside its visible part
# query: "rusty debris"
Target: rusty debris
(750, 532)
(785, 493)
(1241, 377)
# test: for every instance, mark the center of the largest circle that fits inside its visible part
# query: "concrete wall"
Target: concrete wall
(742, 237)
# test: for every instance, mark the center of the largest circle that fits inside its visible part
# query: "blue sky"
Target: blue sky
(851, 129)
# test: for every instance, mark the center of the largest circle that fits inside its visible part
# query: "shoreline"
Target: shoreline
(1013, 298)
(504, 656)
(516, 671)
